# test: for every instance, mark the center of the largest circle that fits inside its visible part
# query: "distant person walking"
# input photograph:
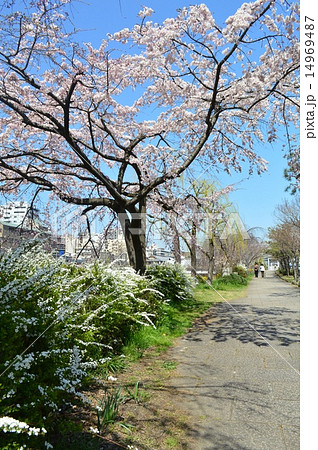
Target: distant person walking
(256, 268)
(262, 269)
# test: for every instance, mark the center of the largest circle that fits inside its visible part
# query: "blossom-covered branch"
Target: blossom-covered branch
(107, 126)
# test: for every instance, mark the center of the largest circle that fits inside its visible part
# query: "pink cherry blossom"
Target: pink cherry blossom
(105, 127)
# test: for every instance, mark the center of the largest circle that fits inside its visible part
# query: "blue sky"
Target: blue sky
(106, 16)
(256, 196)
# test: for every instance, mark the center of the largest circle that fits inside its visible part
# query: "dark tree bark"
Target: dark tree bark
(176, 242)
(211, 256)
(193, 250)
(133, 224)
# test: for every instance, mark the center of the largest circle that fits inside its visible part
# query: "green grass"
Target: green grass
(176, 320)
(289, 279)
(169, 365)
(172, 442)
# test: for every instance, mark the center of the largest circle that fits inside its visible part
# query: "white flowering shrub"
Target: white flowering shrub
(124, 298)
(58, 322)
(10, 425)
(173, 282)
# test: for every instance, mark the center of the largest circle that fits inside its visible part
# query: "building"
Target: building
(23, 215)
(11, 236)
(14, 212)
(19, 221)
(271, 263)
(8, 236)
(157, 255)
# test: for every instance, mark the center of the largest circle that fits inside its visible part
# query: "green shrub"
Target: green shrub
(122, 302)
(58, 322)
(40, 363)
(240, 270)
(229, 280)
(173, 282)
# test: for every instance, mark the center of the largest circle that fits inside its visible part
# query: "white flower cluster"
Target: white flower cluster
(10, 425)
(146, 12)
(58, 321)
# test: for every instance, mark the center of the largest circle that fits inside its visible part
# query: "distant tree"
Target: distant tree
(253, 249)
(194, 216)
(215, 210)
(105, 127)
(284, 238)
(289, 212)
(233, 245)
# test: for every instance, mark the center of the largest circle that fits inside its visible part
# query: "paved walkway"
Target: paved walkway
(242, 390)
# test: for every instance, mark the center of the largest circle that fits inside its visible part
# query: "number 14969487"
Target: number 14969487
(309, 49)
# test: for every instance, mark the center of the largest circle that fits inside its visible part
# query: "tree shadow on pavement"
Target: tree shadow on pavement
(246, 323)
(209, 407)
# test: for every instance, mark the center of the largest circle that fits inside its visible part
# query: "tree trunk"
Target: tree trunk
(296, 269)
(193, 256)
(285, 265)
(133, 224)
(288, 266)
(193, 250)
(175, 241)
(211, 260)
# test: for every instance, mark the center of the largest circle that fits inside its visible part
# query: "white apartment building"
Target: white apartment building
(14, 212)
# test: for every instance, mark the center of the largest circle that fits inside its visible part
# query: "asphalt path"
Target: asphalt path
(238, 371)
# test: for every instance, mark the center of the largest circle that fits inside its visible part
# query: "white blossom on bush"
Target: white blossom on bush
(60, 322)
(10, 425)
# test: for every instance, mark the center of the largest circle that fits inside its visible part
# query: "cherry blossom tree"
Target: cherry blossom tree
(292, 172)
(107, 127)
